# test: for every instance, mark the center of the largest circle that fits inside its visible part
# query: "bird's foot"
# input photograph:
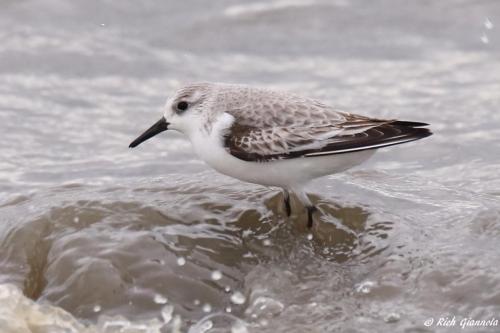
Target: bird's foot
(310, 211)
(288, 207)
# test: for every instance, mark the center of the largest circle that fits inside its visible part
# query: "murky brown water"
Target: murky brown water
(95, 237)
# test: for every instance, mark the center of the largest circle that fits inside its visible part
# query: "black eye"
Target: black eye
(182, 106)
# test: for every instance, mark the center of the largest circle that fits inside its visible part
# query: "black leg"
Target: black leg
(288, 208)
(310, 211)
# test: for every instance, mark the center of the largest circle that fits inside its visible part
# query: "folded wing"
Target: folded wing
(349, 134)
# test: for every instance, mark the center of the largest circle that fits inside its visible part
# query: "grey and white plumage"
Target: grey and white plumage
(276, 138)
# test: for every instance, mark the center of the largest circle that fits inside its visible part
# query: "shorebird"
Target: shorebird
(276, 138)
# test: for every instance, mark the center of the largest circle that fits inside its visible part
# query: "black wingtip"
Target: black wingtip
(409, 123)
(421, 133)
(414, 128)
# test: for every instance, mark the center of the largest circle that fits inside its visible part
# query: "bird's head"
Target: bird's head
(187, 110)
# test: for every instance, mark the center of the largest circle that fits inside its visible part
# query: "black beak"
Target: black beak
(160, 126)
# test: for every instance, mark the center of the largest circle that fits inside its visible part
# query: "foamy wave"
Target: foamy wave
(19, 314)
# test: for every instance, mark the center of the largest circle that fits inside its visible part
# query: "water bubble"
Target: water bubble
(365, 287)
(207, 308)
(227, 289)
(160, 299)
(310, 236)
(488, 24)
(181, 261)
(96, 308)
(228, 309)
(485, 39)
(216, 275)
(238, 298)
(76, 219)
(103, 24)
(166, 313)
(196, 302)
(267, 242)
(392, 317)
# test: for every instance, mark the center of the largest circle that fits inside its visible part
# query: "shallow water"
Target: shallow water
(95, 237)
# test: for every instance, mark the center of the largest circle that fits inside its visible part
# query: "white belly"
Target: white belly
(282, 173)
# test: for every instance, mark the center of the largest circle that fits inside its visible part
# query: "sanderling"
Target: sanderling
(275, 138)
